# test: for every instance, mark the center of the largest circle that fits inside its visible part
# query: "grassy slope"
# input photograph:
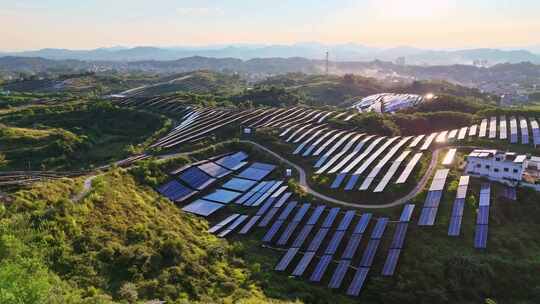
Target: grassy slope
(73, 135)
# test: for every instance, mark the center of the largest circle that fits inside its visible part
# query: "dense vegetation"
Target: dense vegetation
(73, 135)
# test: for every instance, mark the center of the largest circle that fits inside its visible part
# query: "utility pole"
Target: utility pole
(327, 55)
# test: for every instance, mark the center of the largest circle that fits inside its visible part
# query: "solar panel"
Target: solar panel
(237, 222)
(254, 174)
(426, 217)
(513, 131)
(358, 282)
(362, 223)
(317, 240)
(453, 134)
(272, 231)
(316, 215)
(252, 192)
(268, 217)
(390, 173)
(485, 192)
(339, 274)
(380, 226)
(293, 135)
(455, 226)
(369, 161)
(462, 133)
(382, 163)
(360, 157)
(333, 149)
(338, 180)
(175, 191)
(473, 130)
(302, 236)
(196, 178)
(480, 237)
(249, 225)
(457, 209)
(483, 128)
(406, 213)
(222, 196)
(283, 199)
(524, 131)
(303, 264)
(408, 170)
(334, 242)
(503, 130)
(369, 253)
(224, 222)
(292, 225)
(483, 215)
(428, 141)
(331, 217)
(535, 131)
(315, 144)
(214, 170)
(352, 246)
(356, 151)
(238, 184)
(416, 141)
(399, 236)
(335, 158)
(286, 259)
(267, 193)
(390, 264)
(328, 142)
(307, 141)
(320, 269)
(259, 193)
(202, 207)
(493, 127)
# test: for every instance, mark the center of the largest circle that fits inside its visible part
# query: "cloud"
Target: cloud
(199, 11)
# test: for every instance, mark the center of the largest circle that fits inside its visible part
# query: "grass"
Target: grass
(75, 135)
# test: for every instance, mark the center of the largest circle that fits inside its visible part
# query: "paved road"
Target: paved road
(305, 186)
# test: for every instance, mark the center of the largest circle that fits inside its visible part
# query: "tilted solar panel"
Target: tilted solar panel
(483, 215)
(390, 264)
(224, 222)
(352, 246)
(222, 196)
(455, 226)
(237, 222)
(358, 282)
(303, 264)
(334, 242)
(318, 239)
(339, 274)
(238, 184)
(399, 236)
(202, 207)
(214, 170)
(249, 225)
(363, 223)
(196, 178)
(406, 213)
(380, 226)
(286, 259)
(480, 237)
(320, 269)
(302, 236)
(369, 253)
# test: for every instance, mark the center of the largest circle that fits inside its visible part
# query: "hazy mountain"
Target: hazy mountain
(311, 50)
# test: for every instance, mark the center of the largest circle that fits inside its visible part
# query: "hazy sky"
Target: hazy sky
(34, 24)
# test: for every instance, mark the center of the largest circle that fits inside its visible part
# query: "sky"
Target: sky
(436, 24)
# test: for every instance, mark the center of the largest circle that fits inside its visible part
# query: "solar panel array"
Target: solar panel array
(391, 172)
(482, 219)
(322, 160)
(176, 192)
(456, 218)
(483, 128)
(260, 192)
(367, 259)
(462, 133)
(433, 199)
(535, 131)
(513, 131)
(398, 241)
(257, 171)
(441, 137)
(356, 174)
(428, 141)
(382, 163)
(493, 127)
(196, 178)
(503, 129)
(524, 130)
(409, 168)
(323, 164)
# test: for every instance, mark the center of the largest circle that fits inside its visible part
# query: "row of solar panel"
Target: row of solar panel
(482, 219)
(454, 228)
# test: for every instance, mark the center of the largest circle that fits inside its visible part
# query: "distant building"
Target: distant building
(509, 99)
(504, 167)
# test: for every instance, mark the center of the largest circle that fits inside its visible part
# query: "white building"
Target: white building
(504, 167)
